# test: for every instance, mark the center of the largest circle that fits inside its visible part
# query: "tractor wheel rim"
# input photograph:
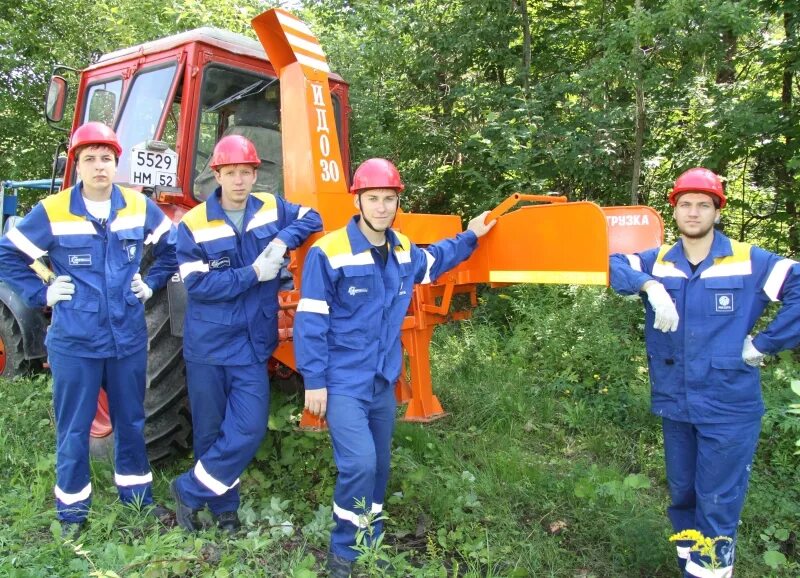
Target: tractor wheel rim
(2, 355)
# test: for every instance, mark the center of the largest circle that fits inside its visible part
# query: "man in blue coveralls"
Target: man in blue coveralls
(94, 234)
(702, 296)
(356, 290)
(230, 250)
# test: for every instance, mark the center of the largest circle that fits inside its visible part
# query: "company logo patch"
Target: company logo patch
(220, 263)
(131, 252)
(356, 290)
(80, 260)
(723, 302)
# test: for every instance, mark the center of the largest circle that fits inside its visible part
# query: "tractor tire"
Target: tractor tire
(168, 425)
(12, 356)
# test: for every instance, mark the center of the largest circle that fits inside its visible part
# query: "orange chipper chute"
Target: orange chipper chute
(313, 173)
(312, 162)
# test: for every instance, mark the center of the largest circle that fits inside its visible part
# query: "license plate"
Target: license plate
(153, 168)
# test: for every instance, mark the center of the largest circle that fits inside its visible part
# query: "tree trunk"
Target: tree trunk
(640, 118)
(726, 73)
(526, 44)
(785, 175)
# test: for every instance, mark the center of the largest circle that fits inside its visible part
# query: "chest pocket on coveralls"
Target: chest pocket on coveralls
(77, 251)
(357, 284)
(724, 296)
(355, 292)
(220, 253)
(131, 245)
(80, 257)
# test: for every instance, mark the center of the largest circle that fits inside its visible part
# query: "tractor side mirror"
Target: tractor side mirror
(56, 99)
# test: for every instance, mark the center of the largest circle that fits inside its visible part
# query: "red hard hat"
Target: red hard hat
(94, 133)
(698, 180)
(234, 150)
(376, 174)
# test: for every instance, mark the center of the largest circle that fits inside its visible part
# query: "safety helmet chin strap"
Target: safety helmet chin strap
(364, 217)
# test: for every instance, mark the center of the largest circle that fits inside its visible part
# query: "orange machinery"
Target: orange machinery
(553, 242)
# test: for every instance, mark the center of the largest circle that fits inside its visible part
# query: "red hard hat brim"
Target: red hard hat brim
(216, 166)
(673, 196)
(99, 143)
(355, 191)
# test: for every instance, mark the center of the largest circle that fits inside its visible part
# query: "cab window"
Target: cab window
(102, 100)
(141, 114)
(235, 101)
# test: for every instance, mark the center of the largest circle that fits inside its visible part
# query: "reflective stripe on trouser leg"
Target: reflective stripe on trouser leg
(683, 548)
(214, 479)
(361, 433)
(724, 458)
(76, 385)
(680, 457)
(125, 386)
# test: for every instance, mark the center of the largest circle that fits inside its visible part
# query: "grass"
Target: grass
(548, 464)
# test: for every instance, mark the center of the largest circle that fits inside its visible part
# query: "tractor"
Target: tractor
(172, 99)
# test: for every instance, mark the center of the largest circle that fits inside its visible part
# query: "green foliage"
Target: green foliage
(777, 541)
(795, 407)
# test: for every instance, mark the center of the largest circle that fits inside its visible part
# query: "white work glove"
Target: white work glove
(140, 288)
(666, 313)
(61, 289)
(268, 264)
(276, 249)
(316, 401)
(479, 227)
(751, 356)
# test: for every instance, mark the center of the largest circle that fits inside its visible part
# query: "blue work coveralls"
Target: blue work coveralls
(347, 339)
(230, 330)
(99, 338)
(708, 397)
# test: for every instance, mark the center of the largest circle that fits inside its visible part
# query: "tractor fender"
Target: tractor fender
(32, 322)
(176, 298)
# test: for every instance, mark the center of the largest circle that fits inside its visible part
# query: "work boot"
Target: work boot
(339, 567)
(184, 515)
(160, 513)
(229, 522)
(71, 530)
